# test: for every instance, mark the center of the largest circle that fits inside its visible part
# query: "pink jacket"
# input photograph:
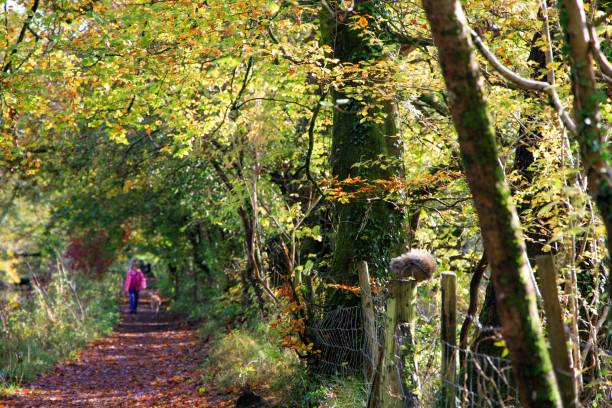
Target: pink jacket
(135, 274)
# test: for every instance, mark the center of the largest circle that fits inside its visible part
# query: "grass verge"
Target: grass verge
(52, 323)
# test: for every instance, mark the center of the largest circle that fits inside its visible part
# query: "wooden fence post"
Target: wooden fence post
(369, 322)
(556, 332)
(389, 389)
(408, 368)
(449, 337)
(395, 380)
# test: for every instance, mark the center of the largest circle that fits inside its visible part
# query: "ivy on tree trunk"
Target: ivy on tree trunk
(364, 144)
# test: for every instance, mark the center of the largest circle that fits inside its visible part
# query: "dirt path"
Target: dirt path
(150, 361)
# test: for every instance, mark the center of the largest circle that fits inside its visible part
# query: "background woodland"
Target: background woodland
(255, 151)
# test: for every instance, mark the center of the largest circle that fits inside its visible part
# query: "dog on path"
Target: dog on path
(155, 299)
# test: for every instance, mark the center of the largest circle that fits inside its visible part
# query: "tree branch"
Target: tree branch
(21, 37)
(245, 81)
(34, 33)
(548, 53)
(404, 39)
(525, 83)
(240, 105)
(602, 61)
(226, 181)
(477, 275)
(311, 126)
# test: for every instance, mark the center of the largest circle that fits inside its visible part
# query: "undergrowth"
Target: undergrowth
(53, 322)
(250, 360)
(307, 391)
(246, 352)
(250, 356)
(242, 360)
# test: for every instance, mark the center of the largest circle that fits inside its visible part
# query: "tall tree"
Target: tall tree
(594, 148)
(503, 242)
(364, 138)
(527, 140)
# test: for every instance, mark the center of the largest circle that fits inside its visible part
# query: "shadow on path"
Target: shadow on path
(150, 360)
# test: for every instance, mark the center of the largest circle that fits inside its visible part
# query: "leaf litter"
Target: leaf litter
(151, 360)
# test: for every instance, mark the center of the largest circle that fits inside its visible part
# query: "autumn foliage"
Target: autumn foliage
(93, 251)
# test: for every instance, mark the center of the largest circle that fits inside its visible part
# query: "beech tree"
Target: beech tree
(365, 145)
(259, 149)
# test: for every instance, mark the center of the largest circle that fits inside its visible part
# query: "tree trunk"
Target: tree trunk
(523, 159)
(247, 276)
(174, 274)
(594, 150)
(503, 242)
(364, 230)
(196, 239)
(251, 268)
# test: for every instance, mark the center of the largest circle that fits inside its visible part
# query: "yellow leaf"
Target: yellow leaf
(118, 134)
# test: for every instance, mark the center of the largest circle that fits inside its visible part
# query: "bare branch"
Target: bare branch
(602, 61)
(20, 38)
(272, 99)
(329, 9)
(550, 72)
(594, 331)
(525, 83)
(34, 33)
(606, 79)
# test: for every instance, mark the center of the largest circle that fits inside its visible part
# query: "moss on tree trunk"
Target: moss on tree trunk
(503, 242)
(366, 228)
(594, 149)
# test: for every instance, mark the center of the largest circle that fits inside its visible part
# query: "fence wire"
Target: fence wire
(486, 380)
(340, 336)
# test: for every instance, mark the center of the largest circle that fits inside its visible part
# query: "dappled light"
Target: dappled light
(113, 372)
(318, 204)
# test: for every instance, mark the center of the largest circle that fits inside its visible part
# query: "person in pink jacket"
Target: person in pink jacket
(134, 283)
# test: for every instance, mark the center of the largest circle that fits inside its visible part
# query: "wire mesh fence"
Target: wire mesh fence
(339, 335)
(346, 350)
(486, 382)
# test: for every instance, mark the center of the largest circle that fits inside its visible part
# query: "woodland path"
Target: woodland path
(151, 360)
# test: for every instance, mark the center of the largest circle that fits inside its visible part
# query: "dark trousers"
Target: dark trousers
(133, 294)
